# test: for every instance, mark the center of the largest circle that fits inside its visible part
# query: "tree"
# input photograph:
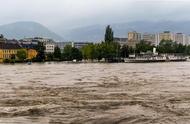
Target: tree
(76, 54)
(143, 46)
(109, 35)
(179, 48)
(40, 48)
(67, 53)
(187, 50)
(57, 53)
(49, 57)
(124, 51)
(21, 54)
(70, 53)
(89, 51)
(110, 50)
(166, 46)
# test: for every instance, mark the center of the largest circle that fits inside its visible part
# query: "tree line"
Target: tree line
(113, 51)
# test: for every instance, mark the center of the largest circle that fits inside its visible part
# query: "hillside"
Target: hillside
(96, 32)
(20, 30)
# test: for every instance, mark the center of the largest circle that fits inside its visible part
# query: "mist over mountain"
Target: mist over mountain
(19, 30)
(96, 32)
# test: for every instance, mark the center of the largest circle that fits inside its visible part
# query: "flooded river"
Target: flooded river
(59, 93)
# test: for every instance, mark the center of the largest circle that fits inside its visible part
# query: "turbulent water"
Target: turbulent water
(59, 93)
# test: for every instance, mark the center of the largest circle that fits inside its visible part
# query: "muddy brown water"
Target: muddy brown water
(60, 93)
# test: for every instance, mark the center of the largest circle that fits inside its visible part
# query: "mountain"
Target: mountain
(20, 30)
(96, 32)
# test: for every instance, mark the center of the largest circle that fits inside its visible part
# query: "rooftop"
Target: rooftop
(10, 46)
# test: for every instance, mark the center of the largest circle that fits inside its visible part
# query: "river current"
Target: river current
(124, 93)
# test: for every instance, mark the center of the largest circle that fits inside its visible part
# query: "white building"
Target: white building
(49, 47)
(187, 39)
(79, 45)
(48, 43)
(179, 38)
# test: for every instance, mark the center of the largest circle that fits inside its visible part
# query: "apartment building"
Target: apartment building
(133, 38)
(150, 38)
(121, 41)
(166, 35)
(180, 38)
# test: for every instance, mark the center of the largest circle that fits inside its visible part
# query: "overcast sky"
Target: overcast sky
(72, 13)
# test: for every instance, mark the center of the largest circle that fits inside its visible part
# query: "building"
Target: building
(133, 39)
(150, 38)
(121, 41)
(187, 39)
(28, 44)
(62, 45)
(8, 50)
(79, 45)
(166, 35)
(134, 36)
(180, 38)
(48, 43)
(49, 47)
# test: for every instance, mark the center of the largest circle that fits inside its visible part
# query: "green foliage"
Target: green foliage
(40, 48)
(166, 46)
(67, 53)
(89, 51)
(57, 53)
(187, 50)
(143, 46)
(109, 35)
(108, 51)
(71, 53)
(111, 50)
(6, 61)
(21, 54)
(76, 54)
(49, 57)
(124, 51)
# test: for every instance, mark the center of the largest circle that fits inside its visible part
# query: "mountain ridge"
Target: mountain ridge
(96, 32)
(22, 29)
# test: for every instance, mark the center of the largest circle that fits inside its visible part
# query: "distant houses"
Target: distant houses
(153, 38)
(9, 51)
(9, 48)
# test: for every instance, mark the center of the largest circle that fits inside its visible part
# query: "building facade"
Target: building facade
(166, 35)
(150, 38)
(79, 45)
(62, 45)
(121, 41)
(49, 44)
(49, 48)
(8, 51)
(133, 38)
(180, 38)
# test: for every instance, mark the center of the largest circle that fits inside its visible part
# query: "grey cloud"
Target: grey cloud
(65, 14)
